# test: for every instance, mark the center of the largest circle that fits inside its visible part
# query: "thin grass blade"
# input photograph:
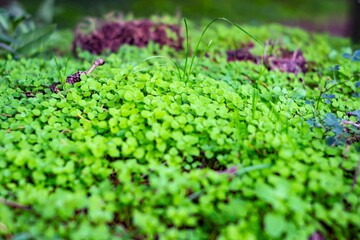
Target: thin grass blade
(207, 27)
(165, 57)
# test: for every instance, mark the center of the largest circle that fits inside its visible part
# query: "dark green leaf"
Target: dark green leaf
(28, 43)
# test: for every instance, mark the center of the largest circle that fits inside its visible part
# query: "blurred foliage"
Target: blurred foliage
(67, 13)
(20, 34)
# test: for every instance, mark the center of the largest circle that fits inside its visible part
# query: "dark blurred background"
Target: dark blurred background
(333, 16)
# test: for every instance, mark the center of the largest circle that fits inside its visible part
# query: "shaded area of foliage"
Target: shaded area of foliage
(238, 10)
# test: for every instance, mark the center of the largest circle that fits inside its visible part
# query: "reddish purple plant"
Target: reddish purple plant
(243, 54)
(112, 35)
(316, 236)
(229, 171)
(285, 61)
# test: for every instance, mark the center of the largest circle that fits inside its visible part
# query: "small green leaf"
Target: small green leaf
(275, 224)
(28, 43)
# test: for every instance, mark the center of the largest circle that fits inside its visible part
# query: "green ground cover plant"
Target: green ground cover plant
(202, 149)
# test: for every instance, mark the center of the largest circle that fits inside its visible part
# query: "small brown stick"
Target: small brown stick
(347, 148)
(230, 171)
(294, 55)
(79, 116)
(3, 228)
(355, 176)
(14, 204)
(97, 63)
(343, 122)
(74, 78)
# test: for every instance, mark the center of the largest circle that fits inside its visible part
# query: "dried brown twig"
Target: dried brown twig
(14, 204)
(343, 122)
(230, 171)
(76, 76)
(356, 174)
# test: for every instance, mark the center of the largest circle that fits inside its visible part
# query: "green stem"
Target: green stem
(328, 89)
(149, 58)
(187, 49)
(207, 27)
(254, 102)
(6, 47)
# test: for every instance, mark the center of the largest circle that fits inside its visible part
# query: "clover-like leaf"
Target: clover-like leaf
(331, 120)
(347, 56)
(328, 96)
(356, 56)
(355, 113)
(311, 122)
(335, 68)
(330, 141)
(275, 224)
